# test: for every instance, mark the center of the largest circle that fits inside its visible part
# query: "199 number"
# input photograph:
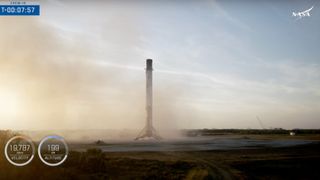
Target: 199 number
(53, 147)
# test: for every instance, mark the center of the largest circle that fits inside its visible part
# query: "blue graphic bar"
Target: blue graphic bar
(19, 10)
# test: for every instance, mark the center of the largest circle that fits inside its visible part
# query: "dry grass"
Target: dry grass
(300, 162)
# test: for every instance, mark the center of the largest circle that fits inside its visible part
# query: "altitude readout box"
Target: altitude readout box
(53, 150)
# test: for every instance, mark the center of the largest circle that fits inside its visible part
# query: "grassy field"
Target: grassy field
(298, 162)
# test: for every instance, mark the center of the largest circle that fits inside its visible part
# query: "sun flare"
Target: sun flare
(9, 103)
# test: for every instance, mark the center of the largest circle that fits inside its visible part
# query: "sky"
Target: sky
(217, 64)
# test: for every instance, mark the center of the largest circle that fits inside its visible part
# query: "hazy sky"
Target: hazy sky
(217, 64)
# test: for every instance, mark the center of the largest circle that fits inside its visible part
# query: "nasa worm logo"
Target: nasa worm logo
(302, 14)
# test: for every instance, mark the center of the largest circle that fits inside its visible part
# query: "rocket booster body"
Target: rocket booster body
(149, 70)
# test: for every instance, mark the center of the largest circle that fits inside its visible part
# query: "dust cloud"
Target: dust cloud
(59, 87)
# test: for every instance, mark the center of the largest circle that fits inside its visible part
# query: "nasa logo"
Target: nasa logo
(302, 14)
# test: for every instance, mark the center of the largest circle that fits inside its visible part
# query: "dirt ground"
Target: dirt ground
(295, 162)
(298, 162)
